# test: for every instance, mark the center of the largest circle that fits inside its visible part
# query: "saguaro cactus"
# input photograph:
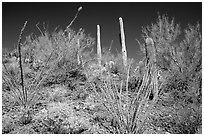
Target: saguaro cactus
(124, 51)
(151, 51)
(78, 52)
(98, 45)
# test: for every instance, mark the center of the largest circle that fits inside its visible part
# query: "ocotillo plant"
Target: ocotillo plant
(98, 45)
(79, 9)
(25, 94)
(19, 93)
(124, 51)
(21, 69)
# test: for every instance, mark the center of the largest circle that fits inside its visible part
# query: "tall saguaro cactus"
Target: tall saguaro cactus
(98, 45)
(78, 52)
(151, 51)
(124, 51)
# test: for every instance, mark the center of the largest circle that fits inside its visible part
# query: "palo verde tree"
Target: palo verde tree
(172, 55)
(164, 34)
(181, 61)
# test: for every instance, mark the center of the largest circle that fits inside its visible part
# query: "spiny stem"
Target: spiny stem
(79, 9)
(20, 64)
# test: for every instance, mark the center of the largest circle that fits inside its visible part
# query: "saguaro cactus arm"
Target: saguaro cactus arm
(124, 51)
(98, 45)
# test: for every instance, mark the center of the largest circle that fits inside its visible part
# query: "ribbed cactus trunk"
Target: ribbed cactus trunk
(122, 34)
(151, 51)
(78, 52)
(151, 92)
(98, 45)
(155, 72)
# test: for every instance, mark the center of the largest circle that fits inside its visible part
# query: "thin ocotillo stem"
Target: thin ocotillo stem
(20, 64)
(79, 9)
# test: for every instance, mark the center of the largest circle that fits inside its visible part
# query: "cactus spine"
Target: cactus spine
(98, 45)
(124, 51)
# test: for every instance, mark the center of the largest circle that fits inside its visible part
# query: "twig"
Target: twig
(56, 28)
(44, 25)
(110, 45)
(39, 28)
(12, 80)
(47, 24)
(145, 31)
(138, 42)
(38, 80)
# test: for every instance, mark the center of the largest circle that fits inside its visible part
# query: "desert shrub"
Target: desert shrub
(165, 34)
(185, 97)
(8, 124)
(60, 118)
(117, 69)
(54, 53)
(67, 49)
(178, 118)
(182, 59)
(5, 53)
(46, 59)
(125, 111)
(59, 94)
(23, 130)
(186, 85)
(16, 117)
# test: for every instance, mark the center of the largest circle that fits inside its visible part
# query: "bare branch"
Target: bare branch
(39, 28)
(110, 45)
(56, 28)
(44, 25)
(79, 9)
(138, 42)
